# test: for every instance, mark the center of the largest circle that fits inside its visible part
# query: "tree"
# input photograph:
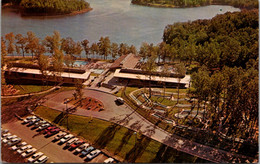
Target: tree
(32, 43)
(52, 42)
(149, 67)
(180, 71)
(43, 64)
(86, 47)
(114, 50)
(79, 93)
(10, 38)
(94, 49)
(104, 46)
(4, 62)
(70, 47)
(57, 59)
(132, 50)
(21, 42)
(122, 49)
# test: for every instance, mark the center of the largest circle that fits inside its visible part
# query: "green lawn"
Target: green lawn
(117, 139)
(30, 88)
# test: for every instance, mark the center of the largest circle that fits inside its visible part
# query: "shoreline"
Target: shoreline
(55, 15)
(48, 15)
(156, 5)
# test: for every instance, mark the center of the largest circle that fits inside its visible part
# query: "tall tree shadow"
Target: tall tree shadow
(59, 118)
(124, 140)
(138, 149)
(107, 135)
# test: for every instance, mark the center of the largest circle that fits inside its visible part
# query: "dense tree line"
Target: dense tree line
(30, 44)
(225, 40)
(53, 6)
(50, 6)
(194, 3)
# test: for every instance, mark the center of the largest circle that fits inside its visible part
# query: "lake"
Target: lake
(118, 19)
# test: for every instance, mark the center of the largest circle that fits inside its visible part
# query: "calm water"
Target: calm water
(118, 19)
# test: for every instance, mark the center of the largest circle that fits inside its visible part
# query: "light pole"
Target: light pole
(135, 137)
(67, 111)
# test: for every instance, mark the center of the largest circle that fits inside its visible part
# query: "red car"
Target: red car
(53, 131)
(48, 129)
(76, 144)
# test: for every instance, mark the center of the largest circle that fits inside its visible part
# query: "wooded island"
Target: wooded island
(50, 7)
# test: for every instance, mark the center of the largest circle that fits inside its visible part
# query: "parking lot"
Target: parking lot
(56, 153)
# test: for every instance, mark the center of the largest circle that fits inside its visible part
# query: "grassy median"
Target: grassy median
(117, 139)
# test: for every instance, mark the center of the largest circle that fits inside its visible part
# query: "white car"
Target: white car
(93, 154)
(66, 138)
(28, 152)
(81, 147)
(42, 159)
(27, 119)
(71, 141)
(109, 160)
(6, 135)
(11, 137)
(60, 135)
(35, 157)
(43, 126)
(22, 149)
(14, 141)
(15, 147)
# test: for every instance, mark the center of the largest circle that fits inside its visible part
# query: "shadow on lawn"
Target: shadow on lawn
(124, 140)
(138, 149)
(107, 135)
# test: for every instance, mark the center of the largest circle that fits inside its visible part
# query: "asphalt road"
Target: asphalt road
(55, 152)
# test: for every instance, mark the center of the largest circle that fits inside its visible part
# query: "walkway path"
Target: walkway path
(126, 116)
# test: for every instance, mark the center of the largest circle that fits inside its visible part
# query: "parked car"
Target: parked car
(76, 144)
(93, 154)
(87, 150)
(48, 129)
(22, 149)
(15, 147)
(66, 138)
(119, 100)
(53, 131)
(33, 121)
(59, 136)
(14, 141)
(71, 141)
(27, 119)
(43, 126)
(4, 131)
(81, 147)
(6, 135)
(42, 159)
(29, 152)
(109, 160)
(37, 124)
(9, 138)
(35, 157)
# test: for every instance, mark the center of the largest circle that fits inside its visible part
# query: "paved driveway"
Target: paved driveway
(126, 116)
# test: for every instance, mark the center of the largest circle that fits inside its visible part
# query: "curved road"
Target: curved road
(126, 116)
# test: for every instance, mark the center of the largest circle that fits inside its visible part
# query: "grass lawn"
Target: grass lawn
(30, 88)
(117, 139)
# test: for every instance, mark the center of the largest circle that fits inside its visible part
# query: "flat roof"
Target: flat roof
(84, 76)
(184, 80)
